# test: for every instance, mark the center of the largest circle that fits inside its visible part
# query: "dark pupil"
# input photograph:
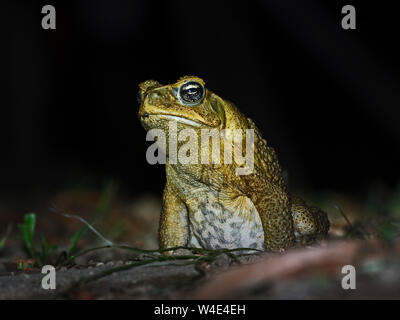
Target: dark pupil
(191, 92)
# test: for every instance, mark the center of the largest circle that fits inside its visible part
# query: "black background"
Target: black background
(326, 98)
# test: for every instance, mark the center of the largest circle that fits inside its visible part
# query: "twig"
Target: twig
(343, 214)
(56, 210)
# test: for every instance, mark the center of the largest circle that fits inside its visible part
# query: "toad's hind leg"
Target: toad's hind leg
(309, 222)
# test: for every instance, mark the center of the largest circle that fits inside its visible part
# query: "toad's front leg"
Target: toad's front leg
(174, 229)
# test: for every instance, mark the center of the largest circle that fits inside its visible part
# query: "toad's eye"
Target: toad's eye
(191, 93)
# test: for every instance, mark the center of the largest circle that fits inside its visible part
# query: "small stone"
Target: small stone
(100, 264)
(142, 256)
(182, 252)
(222, 260)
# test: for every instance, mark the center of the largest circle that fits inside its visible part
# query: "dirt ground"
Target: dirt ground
(311, 272)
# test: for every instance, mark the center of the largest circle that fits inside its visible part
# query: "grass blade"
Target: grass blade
(4, 239)
(28, 233)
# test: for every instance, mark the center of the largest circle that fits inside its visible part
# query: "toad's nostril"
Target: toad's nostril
(145, 115)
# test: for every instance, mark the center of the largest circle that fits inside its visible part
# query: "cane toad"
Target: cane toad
(211, 205)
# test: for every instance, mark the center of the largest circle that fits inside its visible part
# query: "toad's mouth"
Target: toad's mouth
(189, 122)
